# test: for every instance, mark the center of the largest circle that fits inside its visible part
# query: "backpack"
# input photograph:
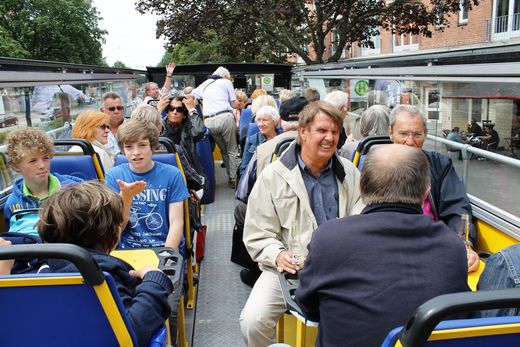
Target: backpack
(24, 221)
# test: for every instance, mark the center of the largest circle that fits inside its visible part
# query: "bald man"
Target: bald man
(366, 274)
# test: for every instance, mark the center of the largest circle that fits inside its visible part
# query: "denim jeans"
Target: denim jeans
(502, 271)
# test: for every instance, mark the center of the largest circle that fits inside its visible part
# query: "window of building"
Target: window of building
(463, 14)
(405, 42)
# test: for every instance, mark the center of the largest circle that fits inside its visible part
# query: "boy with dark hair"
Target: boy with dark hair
(156, 214)
(29, 153)
(90, 215)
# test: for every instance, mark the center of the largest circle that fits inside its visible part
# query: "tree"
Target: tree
(56, 30)
(10, 47)
(214, 49)
(120, 65)
(299, 24)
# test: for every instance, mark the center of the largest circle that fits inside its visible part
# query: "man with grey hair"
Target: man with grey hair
(219, 100)
(307, 186)
(339, 99)
(112, 104)
(447, 200)
(379, 266)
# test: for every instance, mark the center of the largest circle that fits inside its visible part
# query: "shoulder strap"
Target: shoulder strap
(207, 85)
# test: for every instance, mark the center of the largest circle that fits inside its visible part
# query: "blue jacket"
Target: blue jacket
(252, 142)
(145, 301)
(19, 201)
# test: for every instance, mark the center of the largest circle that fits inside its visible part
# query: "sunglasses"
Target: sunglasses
(113, 108)
(104, 126)
(179, 109)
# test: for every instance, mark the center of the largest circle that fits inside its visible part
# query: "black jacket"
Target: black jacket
(366, 274)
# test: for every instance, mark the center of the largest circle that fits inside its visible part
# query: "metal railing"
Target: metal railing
(491, 214)
(467, 150)
(502, 28)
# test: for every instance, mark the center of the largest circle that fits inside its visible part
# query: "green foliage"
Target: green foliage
(10, 47)
(120, 65)
(56, 30)
(214, 49)
(273, 27)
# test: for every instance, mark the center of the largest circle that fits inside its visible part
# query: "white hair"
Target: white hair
(269, 111)
(222, 72)
(262, 100)
(337, 98)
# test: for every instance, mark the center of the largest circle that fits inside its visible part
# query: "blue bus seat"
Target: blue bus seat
(173, 159)
(427, 326)
(204, 152)
(253, 129)
(58, 309)
(85, 164)
(246, 115)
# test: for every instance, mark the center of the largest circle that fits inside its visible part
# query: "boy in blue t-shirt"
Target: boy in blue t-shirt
(155, 217)
(29, 152)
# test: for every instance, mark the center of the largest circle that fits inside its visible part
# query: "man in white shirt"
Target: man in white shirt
(219, 101)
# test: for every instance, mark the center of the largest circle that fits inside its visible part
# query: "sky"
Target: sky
(131, 35)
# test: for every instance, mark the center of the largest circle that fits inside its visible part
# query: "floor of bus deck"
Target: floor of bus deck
(221, 294)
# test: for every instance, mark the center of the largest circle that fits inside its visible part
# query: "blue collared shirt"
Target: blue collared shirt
(322, 190)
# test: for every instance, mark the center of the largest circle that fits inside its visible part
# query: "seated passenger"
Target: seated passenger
(289, 112)
(29, 152)
(367, 274)
(306, 187)
(94, 126)
(89, 215)
(501, 272)
(374, 121)
(156, 214)
(447, 200)
(268, 121)
(185, 127)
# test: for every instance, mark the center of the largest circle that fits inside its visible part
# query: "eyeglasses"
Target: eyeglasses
(104, 126)
(414, 135)
(179, 109)
(113, 108)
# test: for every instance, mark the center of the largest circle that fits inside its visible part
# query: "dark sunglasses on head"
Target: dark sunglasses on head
(104, 126)
(113, 108)
(179, 109)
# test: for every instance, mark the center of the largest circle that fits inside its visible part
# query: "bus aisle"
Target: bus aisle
(221, 294)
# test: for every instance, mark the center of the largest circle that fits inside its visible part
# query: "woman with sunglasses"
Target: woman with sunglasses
(94, 126)
(184, 127)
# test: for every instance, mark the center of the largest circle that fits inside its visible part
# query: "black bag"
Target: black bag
(239, 254)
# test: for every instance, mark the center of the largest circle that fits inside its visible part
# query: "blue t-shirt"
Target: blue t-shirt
(149, 215)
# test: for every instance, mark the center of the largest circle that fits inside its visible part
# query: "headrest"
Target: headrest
(290, 108)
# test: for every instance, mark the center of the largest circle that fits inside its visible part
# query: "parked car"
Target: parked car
(7, 120)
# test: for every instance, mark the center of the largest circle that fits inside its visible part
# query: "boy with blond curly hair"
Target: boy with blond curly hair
(29, 152)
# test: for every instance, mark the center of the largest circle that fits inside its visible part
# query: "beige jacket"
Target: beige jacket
(279, 215)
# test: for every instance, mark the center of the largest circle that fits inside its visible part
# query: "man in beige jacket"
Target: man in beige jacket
(307, 186)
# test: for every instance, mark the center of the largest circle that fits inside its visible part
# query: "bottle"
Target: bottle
(463, 231)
